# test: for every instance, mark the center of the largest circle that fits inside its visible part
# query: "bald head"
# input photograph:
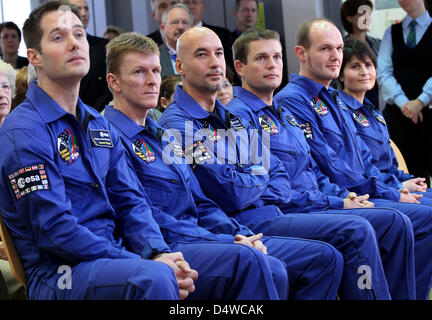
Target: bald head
(192, 37)
(200, 60)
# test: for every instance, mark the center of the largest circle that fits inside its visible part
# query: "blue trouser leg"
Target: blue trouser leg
(427, 194)
(421, 220)
(233, 272)
(396, 244)
(106, 279)
(352, 236)
(314, 267)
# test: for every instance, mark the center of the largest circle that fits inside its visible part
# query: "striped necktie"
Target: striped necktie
(411, 39)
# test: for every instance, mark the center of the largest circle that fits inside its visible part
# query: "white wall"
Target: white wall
(295, 13)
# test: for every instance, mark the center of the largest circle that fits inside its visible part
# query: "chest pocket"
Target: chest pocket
(163, 187)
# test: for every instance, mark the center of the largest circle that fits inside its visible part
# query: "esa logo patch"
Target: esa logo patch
(307, 130)
(197, 153)
(29, 179)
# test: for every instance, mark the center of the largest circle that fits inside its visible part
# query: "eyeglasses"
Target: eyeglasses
(177, 22)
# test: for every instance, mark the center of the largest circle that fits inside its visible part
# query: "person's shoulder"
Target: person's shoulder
(96, 41)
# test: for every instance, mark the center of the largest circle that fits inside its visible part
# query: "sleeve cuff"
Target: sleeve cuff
(400, 101)
(424, 98)
(335, 202)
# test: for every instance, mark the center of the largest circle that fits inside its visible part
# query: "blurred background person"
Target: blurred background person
(7, 89)
(10, 38)
(246, 15)
(356, 20)
(166, 94)
(225, 94)
(94, 88)
(112, 31)
(158, 7)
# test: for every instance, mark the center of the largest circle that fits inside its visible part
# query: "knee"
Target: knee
(154, 281)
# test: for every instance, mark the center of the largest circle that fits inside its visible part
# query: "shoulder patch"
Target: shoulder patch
(319, 106)
(197, 153)
(67, 147)
(143, 151)
(360, 118)
(268, 125)
(307, 130)
(29, 179)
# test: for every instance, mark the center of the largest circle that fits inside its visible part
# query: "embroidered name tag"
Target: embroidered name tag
(101, 138)
(236, 123)
(28, 179)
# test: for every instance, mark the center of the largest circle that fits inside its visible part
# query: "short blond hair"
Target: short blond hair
(124, 44)
(10, 73)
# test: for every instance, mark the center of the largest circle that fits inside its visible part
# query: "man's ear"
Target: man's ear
(300, 53)
(162, 27)
(238, 66)
(179, 66)
(113, 82)
(34, 57)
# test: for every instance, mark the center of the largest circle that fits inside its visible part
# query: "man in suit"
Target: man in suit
(246, 14)
(94, 89)
(158, 7)
(405, 80)
(198, 7)
(175, 21)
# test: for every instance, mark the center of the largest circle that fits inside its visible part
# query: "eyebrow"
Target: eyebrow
(58, 28)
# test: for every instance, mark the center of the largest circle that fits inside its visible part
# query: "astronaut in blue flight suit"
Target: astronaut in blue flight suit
(257, 56)
(372, 129)
(369, 122)
(336, 149)
(236, 186)
(80, 220)
(313, 267)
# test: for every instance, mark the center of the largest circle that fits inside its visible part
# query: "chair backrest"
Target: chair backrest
(399, 157)
(13, 258)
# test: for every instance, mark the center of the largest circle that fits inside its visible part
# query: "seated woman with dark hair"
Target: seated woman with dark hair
(357, 76)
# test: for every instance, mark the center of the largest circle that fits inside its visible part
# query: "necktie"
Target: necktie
(174, 57)
(411, 39)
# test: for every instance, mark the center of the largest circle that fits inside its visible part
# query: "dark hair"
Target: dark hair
(167, 88)
(237, 4)
(350, 9)
(32, 30)
(12, 26)
(304, 30)
(240, 47)
(358, 49)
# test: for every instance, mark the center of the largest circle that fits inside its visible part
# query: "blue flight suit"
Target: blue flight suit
(290, 146)
(372, 128)
(315, 267)
(235, 186)
(343, 157)
(80, 220)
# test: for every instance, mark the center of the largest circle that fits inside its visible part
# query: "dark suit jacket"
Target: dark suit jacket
(165, 61)
(94, 89)
(156, 36)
